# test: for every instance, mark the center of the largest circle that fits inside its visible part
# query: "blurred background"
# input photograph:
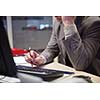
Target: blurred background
(28, 31)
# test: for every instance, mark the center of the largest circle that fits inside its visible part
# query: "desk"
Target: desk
(59, 66)
(95, 79)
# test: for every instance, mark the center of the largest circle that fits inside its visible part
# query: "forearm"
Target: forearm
(52, 48)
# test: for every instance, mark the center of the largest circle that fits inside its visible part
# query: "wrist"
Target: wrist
(43, 59)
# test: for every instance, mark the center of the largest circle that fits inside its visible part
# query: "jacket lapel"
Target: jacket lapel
(56, 27)
(61, 34)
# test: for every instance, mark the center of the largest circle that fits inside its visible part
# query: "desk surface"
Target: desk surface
(58, 66)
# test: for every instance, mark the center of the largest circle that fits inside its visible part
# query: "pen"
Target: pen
(29, 49)
(32, 62)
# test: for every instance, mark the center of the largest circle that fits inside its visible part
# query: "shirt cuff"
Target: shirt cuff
(70, 30)
(44, 59)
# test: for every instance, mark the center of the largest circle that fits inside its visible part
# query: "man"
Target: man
(76, 40)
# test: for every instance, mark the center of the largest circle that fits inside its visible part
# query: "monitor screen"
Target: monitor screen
(7, 65)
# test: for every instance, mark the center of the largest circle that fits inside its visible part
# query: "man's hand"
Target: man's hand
(34, 58)
(68, 20)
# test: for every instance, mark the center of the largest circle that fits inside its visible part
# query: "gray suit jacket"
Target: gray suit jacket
(80, 50)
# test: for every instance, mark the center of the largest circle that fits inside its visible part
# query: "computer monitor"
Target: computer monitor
(7, 65)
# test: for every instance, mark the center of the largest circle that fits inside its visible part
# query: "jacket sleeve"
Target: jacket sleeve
(82, 51)
(52, 49)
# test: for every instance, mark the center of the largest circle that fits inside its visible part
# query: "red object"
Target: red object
(18, 51)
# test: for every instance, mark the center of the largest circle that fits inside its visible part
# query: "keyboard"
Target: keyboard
(45, 74)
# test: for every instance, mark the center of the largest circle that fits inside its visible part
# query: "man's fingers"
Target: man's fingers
(27, 59)
(30, 57)
(39, 60)
(34, 54)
